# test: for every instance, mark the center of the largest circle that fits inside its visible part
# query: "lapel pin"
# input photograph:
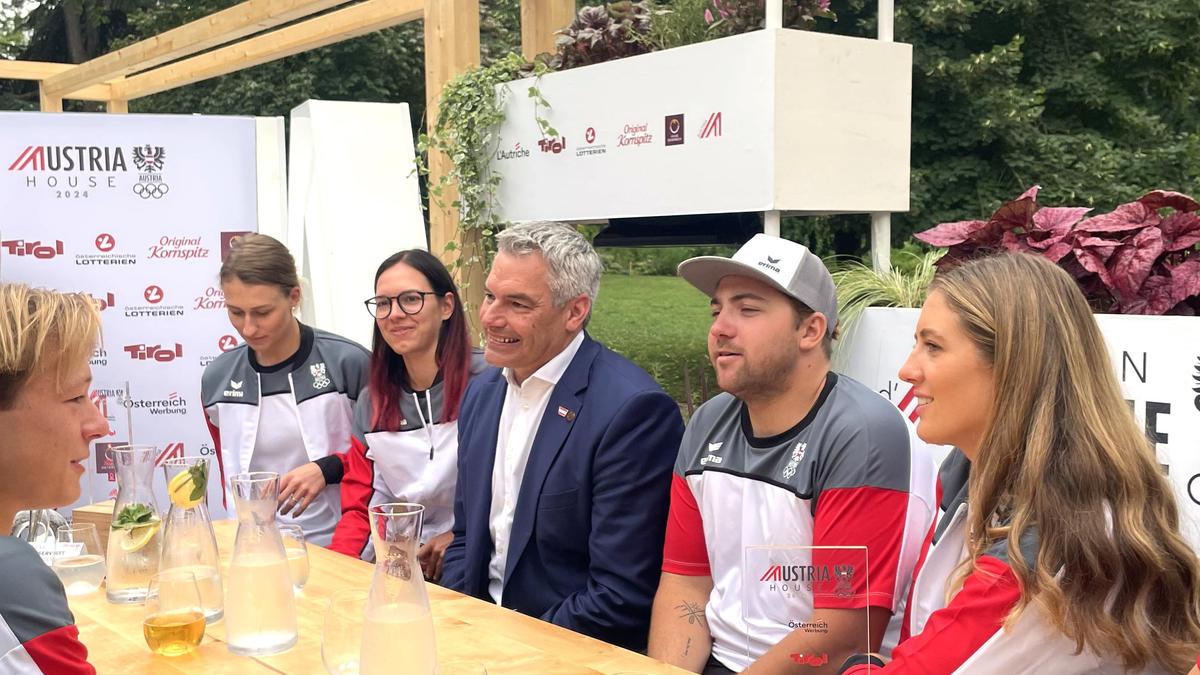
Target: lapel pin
(569, 415)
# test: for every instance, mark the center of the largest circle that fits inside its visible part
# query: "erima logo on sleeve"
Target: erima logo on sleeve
(235, 389)
(711, 458)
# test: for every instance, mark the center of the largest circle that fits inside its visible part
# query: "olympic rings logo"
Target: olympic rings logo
(148, 190)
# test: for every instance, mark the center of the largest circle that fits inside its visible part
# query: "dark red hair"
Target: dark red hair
(388, 375)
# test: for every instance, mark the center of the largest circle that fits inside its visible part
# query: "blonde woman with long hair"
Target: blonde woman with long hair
(1057, 546)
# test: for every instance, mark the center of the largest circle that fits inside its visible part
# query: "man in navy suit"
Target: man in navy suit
(565, 452)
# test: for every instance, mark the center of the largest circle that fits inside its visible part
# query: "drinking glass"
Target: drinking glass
(78, 558)
(174, 623)
(297, 553)
(341, 641)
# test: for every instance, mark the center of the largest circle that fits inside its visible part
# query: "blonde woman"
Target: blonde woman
(48, 421)
(1057, 546)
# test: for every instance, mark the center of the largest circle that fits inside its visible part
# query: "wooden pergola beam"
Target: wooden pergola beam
(540, 20)
(215, 29)
(350, 22)
(40, 70)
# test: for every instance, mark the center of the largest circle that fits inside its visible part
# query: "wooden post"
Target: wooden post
(117, 106)
(49, 103)
(540, 20)
(451, 47)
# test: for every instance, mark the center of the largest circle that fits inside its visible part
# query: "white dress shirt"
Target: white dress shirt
(524, 405)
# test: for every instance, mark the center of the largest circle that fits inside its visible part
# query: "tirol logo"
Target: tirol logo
(814, 660)
(674, 124)
(712, 126)
(1196, 377)
(160, 353)
(169, 451)
(592, 148)
(554, 145)
(213, 298)
(149, 160)
(226, 343)
(37, 249)
(635, 134)
(177, 248)
(517, 152)
(153, 295)
(227, 239)
(173, 404)
(103, 302)
(70, 161)
(106, 244)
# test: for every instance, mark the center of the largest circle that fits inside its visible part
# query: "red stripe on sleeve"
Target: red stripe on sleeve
(954, 633)
(60, 652)
(216, 436)
(684, 551)
(353, 530)
(862, 516)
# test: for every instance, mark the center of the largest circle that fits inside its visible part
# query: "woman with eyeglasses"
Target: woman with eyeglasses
(405, 442)
(282, 401)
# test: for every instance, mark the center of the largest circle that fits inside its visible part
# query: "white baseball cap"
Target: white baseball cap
(785, 265)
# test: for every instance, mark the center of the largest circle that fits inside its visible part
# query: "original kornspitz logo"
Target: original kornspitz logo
(149, 160)
(177, 248)
(634, 135)
(212, 298)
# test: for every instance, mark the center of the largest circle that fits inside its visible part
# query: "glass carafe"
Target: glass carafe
(188, 540)
(398, 620)
(260, 610)
(135, 537)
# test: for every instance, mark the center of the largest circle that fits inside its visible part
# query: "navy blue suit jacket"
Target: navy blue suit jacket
(586, 545)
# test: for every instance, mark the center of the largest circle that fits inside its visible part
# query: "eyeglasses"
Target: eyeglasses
(410, 302)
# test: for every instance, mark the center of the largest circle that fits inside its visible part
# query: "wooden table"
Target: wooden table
(467, 629)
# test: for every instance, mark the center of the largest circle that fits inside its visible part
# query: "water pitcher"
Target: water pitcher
(260, 610)
(188, 540)
(398, 621)
(135, 538)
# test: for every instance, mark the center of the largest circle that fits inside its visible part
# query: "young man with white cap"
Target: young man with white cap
(791, 455)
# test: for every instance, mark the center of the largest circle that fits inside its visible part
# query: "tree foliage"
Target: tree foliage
(1094, 100)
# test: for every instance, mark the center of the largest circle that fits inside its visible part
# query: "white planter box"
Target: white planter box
(1157, 361)
(771, 120)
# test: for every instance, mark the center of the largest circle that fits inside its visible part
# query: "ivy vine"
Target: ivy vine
(470, 112)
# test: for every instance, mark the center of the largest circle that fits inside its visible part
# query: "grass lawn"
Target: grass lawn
(660, 323)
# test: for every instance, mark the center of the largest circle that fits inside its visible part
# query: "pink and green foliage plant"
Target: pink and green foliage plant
(1140, 258)
(732, 17)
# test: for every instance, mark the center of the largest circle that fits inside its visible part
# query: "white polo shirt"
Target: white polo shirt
(524, 405)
